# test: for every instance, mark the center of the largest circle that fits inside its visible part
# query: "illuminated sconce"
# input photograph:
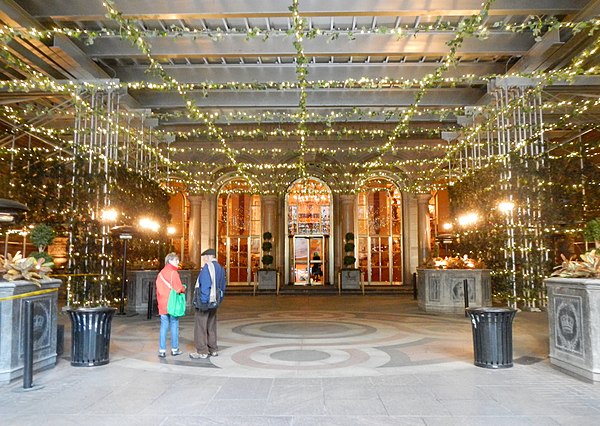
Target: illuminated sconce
(171, 230)
(447, 227)
(506, 206)
(468, 219)
(149, 224)
(109, 215)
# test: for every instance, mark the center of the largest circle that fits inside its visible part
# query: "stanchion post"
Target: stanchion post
(28, 345)
(414, 283)
(466, 295)
(125, 239)
(150, 301)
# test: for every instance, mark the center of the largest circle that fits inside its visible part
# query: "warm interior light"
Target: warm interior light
(447, 226)
(171, 230)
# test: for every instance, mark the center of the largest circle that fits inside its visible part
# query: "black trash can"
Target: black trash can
(492, 336)
(90, 335)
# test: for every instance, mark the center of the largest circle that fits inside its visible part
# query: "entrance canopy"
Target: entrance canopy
(274, 89)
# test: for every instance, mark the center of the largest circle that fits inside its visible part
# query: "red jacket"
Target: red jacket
(170, 274)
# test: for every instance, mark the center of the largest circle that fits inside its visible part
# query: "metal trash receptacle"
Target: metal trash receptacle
(492, 336)
(90, 335)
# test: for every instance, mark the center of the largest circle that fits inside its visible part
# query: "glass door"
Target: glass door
(309, 261)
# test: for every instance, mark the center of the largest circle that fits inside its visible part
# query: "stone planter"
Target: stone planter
(12, 297)
(441, 291)
(574, 325)
(350, 279)
(267, 279)
(137, 289)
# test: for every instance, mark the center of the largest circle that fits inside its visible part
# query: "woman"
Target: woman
(168, 279)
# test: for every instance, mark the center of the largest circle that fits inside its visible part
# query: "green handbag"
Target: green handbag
(176, 304)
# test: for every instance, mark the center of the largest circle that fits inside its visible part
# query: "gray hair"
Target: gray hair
(171, 256)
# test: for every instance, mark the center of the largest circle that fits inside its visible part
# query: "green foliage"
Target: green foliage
(42, 236)
(42, 255)
(591, 231)
(349, 259)
(267, 246)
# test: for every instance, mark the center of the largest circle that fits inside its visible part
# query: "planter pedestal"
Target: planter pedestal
(574, 325)
(350, 279)
(267, 280)
(12, 332)
(441, 291)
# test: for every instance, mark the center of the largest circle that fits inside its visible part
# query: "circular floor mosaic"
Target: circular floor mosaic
(326, 344)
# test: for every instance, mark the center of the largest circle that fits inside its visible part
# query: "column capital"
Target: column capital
(424, 198)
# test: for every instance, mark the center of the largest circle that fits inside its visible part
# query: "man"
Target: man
(210, 288)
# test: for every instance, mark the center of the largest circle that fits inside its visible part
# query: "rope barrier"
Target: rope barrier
(31, 293)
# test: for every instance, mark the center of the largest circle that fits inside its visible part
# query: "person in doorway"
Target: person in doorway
(316, 271)
(210, 288)
(168, 278)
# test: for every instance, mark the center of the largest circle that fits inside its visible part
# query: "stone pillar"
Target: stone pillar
(269, 214)
(347, 213)
(423, 228)
(194, 230)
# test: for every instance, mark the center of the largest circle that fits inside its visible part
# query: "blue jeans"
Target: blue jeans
(165, 321)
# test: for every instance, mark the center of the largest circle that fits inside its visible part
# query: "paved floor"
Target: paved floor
(310, 360)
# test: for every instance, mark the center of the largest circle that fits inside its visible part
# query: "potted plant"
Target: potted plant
(573, 312)
(42, 236)
(267, 275)
(349, 275)
(591, 232)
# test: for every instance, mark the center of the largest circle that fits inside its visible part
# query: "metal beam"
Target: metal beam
(322, 98)
(92, 10)
(236, 45)
(249, 73)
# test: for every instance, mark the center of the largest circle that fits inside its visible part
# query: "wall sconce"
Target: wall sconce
(506, 206)
(468, 219)
(109, 215)
(149, 224)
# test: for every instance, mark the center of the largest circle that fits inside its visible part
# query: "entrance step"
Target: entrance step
(242, 290)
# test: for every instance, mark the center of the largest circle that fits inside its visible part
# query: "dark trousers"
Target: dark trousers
(205, 331)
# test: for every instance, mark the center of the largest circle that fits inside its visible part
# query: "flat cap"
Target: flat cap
(209, 252)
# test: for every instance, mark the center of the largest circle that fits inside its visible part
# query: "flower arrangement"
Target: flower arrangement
(587, 267)
(28, 268)
(456, 262)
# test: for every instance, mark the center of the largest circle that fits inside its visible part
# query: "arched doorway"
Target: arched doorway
(238, 231)
(380, 232)
(309, 205)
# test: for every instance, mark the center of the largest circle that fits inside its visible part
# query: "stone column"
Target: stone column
(194, 230)
(423, 228)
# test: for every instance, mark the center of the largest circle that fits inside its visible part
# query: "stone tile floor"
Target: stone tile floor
(310, 360)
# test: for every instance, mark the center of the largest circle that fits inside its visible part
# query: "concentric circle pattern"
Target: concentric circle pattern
(288, 343)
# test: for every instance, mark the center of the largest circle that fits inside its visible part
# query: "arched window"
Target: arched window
(238, 230)
(380, 232)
